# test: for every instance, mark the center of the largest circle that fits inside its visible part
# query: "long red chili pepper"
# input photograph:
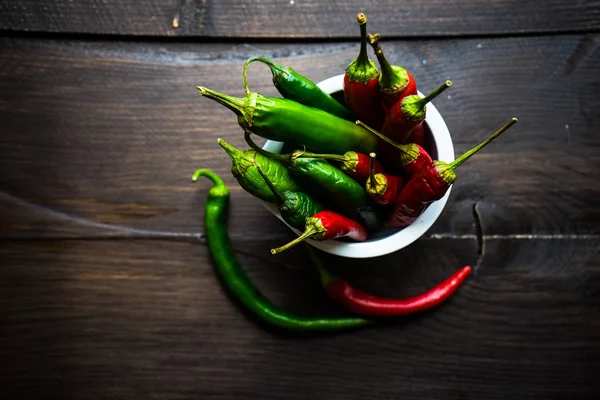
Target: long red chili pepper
(326, 225)
(395, 83)
(431, 184)
(361, 90)
(413, 158)
(381, 187)
(368, 305)
(405, 115)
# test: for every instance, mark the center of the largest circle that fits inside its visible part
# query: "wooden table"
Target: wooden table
(107, 288)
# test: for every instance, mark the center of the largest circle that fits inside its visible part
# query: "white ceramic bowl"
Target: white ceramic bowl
(397, 239)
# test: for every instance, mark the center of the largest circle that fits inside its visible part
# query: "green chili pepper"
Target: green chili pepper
(234, 278)
(288, 121)
(297, 87)
(330, 184)
(243, 168)
(294, 207)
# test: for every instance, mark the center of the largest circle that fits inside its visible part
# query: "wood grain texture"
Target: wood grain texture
(141, 319)
(301, 18)
(101, 138)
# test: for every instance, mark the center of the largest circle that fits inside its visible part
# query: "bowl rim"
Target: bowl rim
(405, 236)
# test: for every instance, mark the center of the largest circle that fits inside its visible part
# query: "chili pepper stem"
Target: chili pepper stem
(363, 58)
(280, 198)
(286, 160)
(413, 107)
(381, 136)
(275, 68)
(393, 79)
(409, 152)
(372, 171)
(244, 107)
(334, 157)
(308, 233)
(446, 171)
(371, 181)
(361, 69)
(422, 102)
(229, 149)
(274, 156)
(454, 164)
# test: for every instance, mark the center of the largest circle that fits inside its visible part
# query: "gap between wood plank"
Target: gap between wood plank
(141, 234)
(124, 232)
(104, 37)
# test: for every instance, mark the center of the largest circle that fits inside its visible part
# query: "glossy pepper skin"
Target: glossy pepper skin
(431, 184)
(243, 168)
(381, 187)
(407, 114)
(235, 280)
(288, 121)
(355, 165)
(421, 190)
(417, 135)
(395, 83)
(327, 225)
(337, 190)
(294, 207)
(297, 87)
(361, 83)
(412, 158)
(368, 305)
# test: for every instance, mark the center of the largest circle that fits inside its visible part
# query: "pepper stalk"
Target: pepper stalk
(376, 184)
(447, 170)
(413, 107)
(362, 69)
(314, 230)
(394, 80)
(409, 153)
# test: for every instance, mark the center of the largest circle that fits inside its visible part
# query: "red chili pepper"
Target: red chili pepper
(326, 225)
(395, 83)
(431, 184)
(361, 90)
(405, 115)
(383, 188)
(365, 304)
(413, 158)
(417, 135)
(362, 167)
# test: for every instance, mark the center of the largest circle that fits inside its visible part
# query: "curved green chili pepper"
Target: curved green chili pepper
(297, 87)
(243, 168)
(288, 121)
(234, 278)
(334, 187)
(294, 207)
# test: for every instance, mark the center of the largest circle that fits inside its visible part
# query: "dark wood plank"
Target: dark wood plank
(139, 319)
(302, 18)
(100, 133)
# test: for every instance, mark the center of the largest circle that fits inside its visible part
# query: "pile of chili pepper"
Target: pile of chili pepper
(356, 165)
